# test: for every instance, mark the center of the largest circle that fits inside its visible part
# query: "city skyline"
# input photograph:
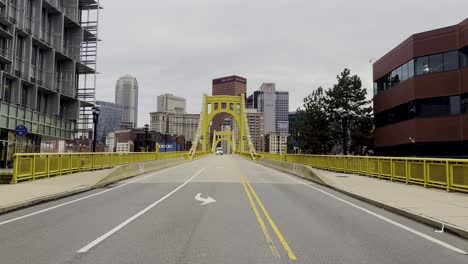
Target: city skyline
(184, 50)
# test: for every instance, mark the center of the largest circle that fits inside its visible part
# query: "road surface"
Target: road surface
(218, 209)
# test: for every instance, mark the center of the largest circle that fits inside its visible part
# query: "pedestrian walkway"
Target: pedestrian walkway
(19, 195)
(449, 208)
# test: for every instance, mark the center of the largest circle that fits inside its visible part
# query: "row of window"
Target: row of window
(435, 63)
(428, 107)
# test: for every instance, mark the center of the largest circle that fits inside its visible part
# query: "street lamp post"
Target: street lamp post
(146, 137)
(96, 112)
(344, 119)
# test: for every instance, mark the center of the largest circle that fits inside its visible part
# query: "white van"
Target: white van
(219, 151)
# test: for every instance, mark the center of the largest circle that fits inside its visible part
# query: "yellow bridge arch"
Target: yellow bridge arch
(219, 136)
(214, 105)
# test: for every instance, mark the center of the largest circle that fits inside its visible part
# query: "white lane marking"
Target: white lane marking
(409, 229)
(204, 201)
(83, 198)
(129, 220)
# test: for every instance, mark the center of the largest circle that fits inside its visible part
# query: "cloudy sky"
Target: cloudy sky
(178, 46)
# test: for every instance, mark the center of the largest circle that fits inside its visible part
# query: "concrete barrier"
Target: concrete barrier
(300, 170)
(126, 171)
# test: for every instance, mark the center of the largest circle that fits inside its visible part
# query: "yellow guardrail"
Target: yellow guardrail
(449, 174)
(33, 166)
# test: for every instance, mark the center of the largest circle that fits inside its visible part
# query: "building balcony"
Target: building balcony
(72, 51)
(5, 56)
(57, 4)
(44, 79)
(72, 13)
(65, 83)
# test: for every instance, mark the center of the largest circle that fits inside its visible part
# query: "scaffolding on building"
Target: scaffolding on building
(87, 66)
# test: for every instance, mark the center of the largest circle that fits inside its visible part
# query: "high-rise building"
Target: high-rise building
(175, 124)
(126, 95)
(256, 129)
(42, 64)
(421, 95)
(110, 119)
(275, 108)
(230, 85)
(170, 103)
(292, 117)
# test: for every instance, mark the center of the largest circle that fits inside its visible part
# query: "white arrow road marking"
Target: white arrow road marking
(204, 200)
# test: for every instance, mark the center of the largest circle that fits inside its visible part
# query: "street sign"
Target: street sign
(21, 131)
(296, 144)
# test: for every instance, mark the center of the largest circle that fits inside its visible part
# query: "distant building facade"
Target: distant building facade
(229, 85)
(175, 124)
(111, 143)
(110, 119)
(171, 103)
(139, 139)
(256, 129)
(126, 95)
(275, 108)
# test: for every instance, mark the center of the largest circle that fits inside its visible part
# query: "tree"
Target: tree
(319, 125)
(312, 125)
(348, 95)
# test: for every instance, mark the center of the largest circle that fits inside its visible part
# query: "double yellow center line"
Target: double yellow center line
(250, 192)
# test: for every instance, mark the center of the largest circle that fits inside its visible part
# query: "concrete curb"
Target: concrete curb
(42, 199)
(414, 216)
(100, 184)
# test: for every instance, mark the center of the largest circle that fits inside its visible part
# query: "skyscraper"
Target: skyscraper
(230, 85)
(110, 119)
(126, 95)
(170, 103)
(275, 106)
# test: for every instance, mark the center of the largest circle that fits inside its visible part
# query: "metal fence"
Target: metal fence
(449, 174)
(33, 166)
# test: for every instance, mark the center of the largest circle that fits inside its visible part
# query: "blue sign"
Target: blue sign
(21, 131)
(296, 144)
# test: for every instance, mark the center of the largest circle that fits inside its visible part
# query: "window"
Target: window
(436, 63)
(24, 96)
(7, 90)
(451, 61)
(455, 105)
(438, 106)
(422, 65)
(404, 73)
(410, 69)
(464, 103)
(464, 57)
(398, 75)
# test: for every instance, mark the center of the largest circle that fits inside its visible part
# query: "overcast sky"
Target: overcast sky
(178, 46)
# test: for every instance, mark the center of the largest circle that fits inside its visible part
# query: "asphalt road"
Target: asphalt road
(260, 216)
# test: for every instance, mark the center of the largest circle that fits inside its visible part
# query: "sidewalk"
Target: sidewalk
(13, 196)
(414, 201)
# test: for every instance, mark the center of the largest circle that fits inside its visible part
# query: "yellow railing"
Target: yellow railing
(449, 174)
(33, 166)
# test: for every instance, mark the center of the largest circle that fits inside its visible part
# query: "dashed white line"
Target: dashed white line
(129, 220)
(82, 198)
